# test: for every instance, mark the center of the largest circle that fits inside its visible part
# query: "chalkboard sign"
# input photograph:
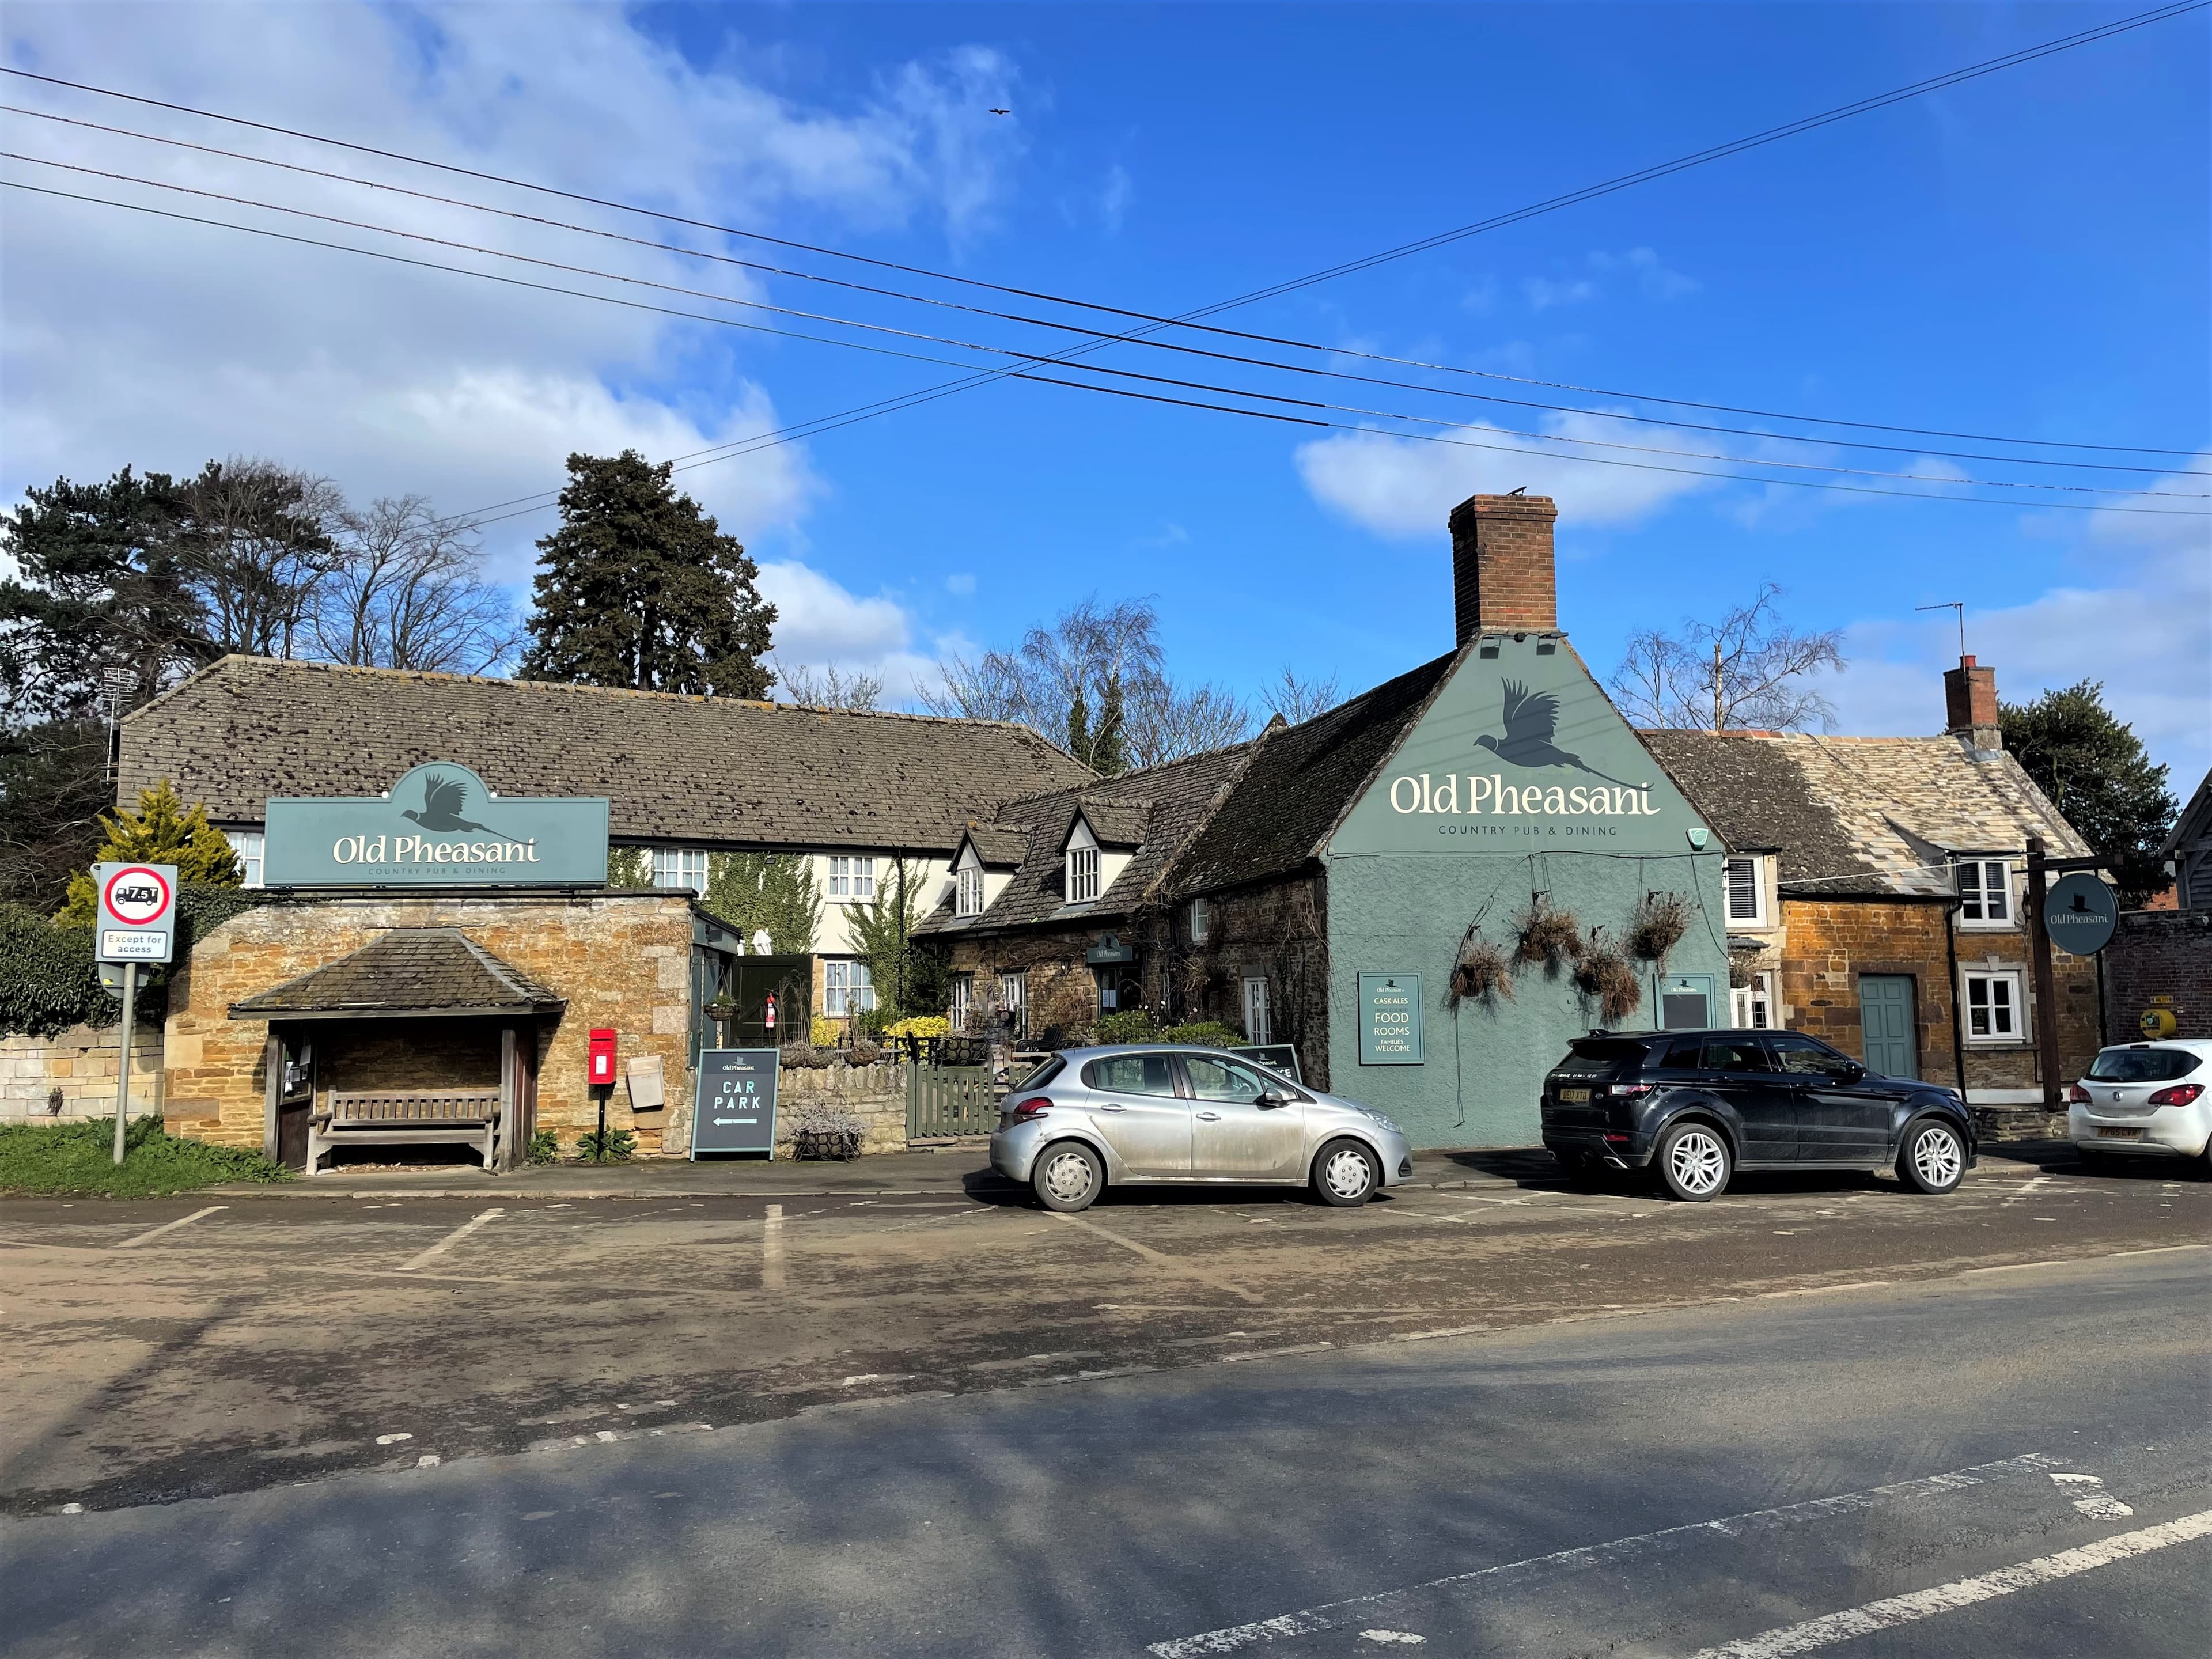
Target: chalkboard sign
(1281, 1057)
(735, 1106)
(1390, 1019)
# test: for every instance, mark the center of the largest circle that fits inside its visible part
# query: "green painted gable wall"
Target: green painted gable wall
(1563, 799)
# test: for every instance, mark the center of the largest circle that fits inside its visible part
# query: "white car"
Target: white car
(2146, 1100)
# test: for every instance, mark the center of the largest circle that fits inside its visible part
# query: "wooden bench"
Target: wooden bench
(406, 1117)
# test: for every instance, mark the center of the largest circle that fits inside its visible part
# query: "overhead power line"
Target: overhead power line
(1153, 322)
(1822, 439)
(1029, 363)
(1033, 357)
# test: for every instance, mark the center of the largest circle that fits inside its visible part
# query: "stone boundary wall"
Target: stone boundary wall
(2159, 953)
(79, 1063)
(875, 1094)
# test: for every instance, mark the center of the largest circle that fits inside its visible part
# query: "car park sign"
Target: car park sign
(137, 919)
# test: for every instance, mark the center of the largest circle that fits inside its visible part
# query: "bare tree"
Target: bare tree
(831, 688)
(1297, 700)
(408, 591)
(1748, 669)
(1170, 722)
(254, 544)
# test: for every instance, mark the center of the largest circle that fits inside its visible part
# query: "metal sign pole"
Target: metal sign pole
(123, 1059)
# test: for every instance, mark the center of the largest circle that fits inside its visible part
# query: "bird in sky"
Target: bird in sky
(1530, 722)
(443, 797)
(1002, 111)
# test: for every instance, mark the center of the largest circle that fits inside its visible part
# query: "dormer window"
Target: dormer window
(968, 896)
(1985, 893)
(1082, 874)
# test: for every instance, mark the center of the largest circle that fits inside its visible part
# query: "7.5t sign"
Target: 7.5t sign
(138, 918)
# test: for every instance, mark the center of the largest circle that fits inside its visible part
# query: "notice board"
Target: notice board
(1390, 1019)
(735, 1109)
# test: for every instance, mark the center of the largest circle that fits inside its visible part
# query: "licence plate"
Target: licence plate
(1574, 1097)
(2119, 1134)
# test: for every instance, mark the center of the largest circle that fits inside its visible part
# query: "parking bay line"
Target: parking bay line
(1897, 1610)
(1159, 1260)
(1333, 1615)
(452, 1239)
(168, 1227)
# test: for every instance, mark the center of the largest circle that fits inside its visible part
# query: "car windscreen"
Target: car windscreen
(1046, 1069)
(1599, 1057)
(2141, 1065)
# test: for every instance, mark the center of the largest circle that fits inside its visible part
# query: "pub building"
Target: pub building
(438, 943)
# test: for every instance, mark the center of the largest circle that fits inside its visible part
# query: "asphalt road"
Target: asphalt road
(2010, 1463)
(173, 1351)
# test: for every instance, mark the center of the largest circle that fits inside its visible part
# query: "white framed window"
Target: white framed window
(248, 844)
(1015, 988)
(1985, 893)
(1082, 874)
(1201, 921)
(968, 891)
(1746, 890)
(1751, 1007)
(847, 988)
(851, 880)
(962, 1002)
(679, 867)
(1256, 1024)
(1995, 1006)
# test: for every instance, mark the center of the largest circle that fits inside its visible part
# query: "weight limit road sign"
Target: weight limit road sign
(137, 919)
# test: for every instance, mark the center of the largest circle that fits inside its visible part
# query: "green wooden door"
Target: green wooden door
(1886, 1024)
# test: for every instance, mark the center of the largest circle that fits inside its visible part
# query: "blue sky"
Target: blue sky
(2025, 255)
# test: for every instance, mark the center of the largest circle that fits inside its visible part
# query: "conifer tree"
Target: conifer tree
(2098, 775)
(162, 831)
(639, 589)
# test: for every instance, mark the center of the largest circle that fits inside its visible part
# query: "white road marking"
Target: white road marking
(879, 1377)
(1821, 1290)
(1962, 1592)
(1404, 1636)
(1427, 1336)
(392, 1439)
(2096, 1504)
(426, 1461)
(772, 1249)
(1157, 1258)
(1275, 1353)
(452, 1239)
(168, 1227)
(1334, 1615)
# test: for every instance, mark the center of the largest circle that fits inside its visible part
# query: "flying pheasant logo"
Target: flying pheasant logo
(1531, 721)
(443, 800)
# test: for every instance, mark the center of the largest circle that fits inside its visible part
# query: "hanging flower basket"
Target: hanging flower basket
(1660, 920)
(1481, 974)
(1607, 977)
(1546, 935)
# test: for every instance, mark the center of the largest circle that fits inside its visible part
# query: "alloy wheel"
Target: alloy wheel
(1935, 1156)
(1697, 1163)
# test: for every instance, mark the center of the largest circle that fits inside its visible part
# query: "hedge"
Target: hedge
(49, 981)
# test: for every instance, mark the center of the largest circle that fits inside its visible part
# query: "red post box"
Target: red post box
(603, 1056)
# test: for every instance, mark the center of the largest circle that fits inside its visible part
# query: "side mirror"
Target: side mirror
(1267, 1100)
(1850, 1072)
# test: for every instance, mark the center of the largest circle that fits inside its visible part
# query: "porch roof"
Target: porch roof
(410, 971)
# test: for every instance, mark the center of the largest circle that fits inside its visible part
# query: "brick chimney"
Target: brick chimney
(1502, 580)
(1970, 705)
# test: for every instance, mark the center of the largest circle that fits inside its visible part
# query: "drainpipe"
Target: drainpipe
(1958, 1026)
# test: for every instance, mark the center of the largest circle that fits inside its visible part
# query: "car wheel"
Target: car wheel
(1694, 1162)
(1068, 1176)
(1934, 1159)
(1344, 1174)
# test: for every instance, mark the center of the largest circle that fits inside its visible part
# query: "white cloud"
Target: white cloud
(2141, 634)
(1542, 293)
(127, 338)
(961, 584)
(1405, 487)
(1114, 200)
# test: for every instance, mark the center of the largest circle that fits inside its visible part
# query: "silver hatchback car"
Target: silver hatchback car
(1091, 1118)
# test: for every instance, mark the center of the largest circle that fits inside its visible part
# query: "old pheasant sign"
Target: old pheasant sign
(440, 825)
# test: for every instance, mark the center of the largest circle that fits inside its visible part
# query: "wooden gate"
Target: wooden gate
(949, 1100)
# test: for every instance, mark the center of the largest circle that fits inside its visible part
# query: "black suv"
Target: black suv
(1695, 1106)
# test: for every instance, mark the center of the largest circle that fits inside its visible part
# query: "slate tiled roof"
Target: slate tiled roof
(1000, 845)
(1861, 815)
(1301, 781)
(410, 970)
(1162, 803)
(709, 771)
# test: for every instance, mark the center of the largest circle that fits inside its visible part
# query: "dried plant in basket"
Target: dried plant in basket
(1607, 977)
(1481, 973)
(1546, 935)
(1660, 922)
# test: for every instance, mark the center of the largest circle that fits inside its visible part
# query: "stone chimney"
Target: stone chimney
(1970, 705)
(1502, 580)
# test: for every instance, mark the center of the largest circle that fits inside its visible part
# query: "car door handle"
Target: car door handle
(1105, 1106)
(1211, 1117)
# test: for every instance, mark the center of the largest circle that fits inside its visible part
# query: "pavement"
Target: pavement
(2010, 1463)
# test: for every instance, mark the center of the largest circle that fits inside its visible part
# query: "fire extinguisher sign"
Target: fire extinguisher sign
(734, 1108)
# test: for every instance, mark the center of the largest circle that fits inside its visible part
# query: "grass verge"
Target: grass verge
(80, 1158)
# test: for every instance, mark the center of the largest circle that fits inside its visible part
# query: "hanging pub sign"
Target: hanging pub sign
(735, 1109)
(438, 826)
(2080, 912)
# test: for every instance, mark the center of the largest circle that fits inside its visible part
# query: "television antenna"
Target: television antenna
(1959, 607)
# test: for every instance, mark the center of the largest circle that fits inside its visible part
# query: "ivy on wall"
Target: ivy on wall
(49, 980)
